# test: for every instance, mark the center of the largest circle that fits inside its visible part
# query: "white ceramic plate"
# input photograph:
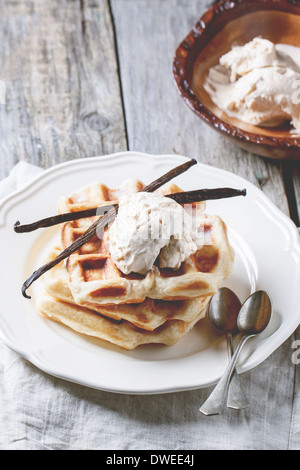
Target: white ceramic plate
(267, 249)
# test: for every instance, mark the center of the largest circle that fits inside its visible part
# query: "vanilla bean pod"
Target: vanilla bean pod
(185, 197)
(100, 225)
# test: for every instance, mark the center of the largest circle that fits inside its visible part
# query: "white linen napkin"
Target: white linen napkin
(21, 173)
(38, 411)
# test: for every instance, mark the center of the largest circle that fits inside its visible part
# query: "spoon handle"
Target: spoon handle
(214, 403)
(236, 398)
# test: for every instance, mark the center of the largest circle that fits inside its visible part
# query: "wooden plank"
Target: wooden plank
(148, 32)
(63, 97)
(291, 177)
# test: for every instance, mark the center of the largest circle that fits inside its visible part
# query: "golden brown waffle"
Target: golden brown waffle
(94, 278)
(123, 333)
(147, 315)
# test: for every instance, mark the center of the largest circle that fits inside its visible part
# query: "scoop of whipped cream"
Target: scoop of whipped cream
(258, 83)
(150, 226)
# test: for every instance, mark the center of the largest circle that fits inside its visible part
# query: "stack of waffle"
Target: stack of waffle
(92, 296)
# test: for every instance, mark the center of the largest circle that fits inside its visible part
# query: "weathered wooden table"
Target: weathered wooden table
(92, 77)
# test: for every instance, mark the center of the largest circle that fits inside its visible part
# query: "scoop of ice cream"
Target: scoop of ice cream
(177, 250)
(149, 226)
(255, 54)
(257, 83)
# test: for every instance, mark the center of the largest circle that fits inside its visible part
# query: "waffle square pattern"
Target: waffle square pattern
(94, 278)
(90, 295)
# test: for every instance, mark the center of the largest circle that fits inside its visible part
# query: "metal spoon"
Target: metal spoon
(253, 318)
(224, 308)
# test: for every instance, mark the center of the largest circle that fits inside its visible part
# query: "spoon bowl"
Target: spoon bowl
(224, 309)
(255, 314)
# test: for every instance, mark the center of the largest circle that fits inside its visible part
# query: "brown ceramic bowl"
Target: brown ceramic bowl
(224, 24)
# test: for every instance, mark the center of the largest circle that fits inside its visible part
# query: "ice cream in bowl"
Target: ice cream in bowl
(239, 70)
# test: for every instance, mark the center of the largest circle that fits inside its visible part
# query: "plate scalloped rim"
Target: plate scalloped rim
(38, 355)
